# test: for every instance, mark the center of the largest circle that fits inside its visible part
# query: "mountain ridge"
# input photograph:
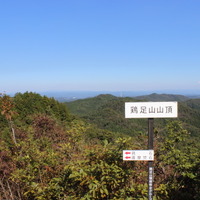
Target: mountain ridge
(107, 112)
(163, 97)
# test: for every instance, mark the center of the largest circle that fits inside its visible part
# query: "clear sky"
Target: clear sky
(96, 45)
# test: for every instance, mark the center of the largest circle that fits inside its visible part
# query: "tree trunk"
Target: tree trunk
(13, 132)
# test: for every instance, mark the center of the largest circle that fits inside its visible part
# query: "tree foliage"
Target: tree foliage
(61, 157)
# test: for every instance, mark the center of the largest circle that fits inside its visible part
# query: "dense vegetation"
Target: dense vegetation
(48, 153)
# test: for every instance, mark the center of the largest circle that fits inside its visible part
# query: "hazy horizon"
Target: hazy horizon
(87, 94)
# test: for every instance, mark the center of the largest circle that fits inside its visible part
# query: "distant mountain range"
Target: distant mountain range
(107, 112)
(163, 97)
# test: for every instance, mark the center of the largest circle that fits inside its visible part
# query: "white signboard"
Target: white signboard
(151, 109)
(141, 155)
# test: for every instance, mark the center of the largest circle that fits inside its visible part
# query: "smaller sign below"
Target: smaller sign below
(142, 155)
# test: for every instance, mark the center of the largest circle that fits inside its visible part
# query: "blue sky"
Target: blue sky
(98, 45)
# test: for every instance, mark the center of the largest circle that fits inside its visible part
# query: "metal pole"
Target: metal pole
(150, 163)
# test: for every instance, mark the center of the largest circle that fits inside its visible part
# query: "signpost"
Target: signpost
(150, 163)
(148, 110)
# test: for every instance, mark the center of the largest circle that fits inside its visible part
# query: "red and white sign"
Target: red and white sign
(142, 155)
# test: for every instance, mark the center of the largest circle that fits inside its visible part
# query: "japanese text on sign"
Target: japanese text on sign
(151, 109)
(140, 155)
(150, 183)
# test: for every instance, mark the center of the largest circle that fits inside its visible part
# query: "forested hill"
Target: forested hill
(48, 153)
(107, 112)
(83, 107)
(163, 97)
